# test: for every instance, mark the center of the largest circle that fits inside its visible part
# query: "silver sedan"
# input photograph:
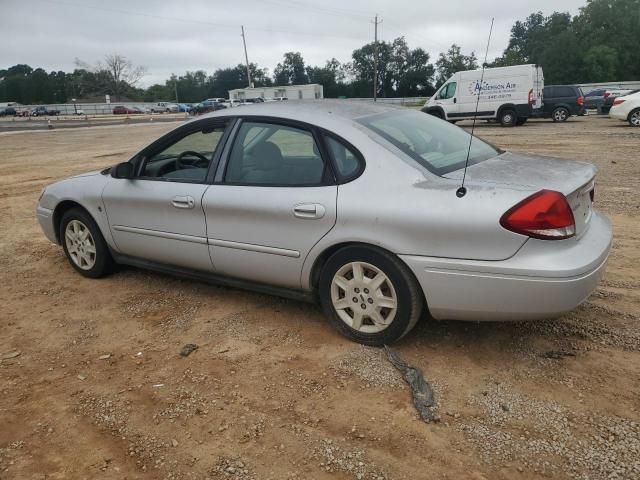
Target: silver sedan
(352, 204)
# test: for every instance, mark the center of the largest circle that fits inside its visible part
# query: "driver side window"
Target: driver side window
(448, 91)
(186, 160)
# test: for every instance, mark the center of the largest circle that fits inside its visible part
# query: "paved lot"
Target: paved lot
(92, 384)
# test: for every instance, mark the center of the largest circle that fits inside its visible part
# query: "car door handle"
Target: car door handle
(309, 210)
(183, 201)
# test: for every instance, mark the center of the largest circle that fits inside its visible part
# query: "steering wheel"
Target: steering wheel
(201, 162)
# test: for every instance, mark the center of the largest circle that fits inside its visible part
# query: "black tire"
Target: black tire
(521, 121)
(409, 297)
(634, 118)
(560, 114)
(508, 118)
(103, 263)
(436, 113)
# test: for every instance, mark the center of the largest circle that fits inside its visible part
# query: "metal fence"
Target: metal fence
(90, 108)
(395, 101)
(107, 108)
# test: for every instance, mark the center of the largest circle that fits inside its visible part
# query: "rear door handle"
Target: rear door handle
(183, 201)
(309, 210)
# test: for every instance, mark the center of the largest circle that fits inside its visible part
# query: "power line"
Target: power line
(193, 21)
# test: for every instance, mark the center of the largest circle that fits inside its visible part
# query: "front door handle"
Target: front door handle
(183, 201)
(309, 210)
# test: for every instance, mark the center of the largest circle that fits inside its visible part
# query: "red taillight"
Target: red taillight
(531, 97)
(580, 100)
(546, 215)
(618, 101)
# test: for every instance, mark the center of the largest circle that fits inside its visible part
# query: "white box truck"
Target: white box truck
(509, 95)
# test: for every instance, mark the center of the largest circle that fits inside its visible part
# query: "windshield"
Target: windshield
(436, 145)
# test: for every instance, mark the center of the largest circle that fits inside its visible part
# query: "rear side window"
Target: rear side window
(345, 159)
(565, 92)
(268, 154)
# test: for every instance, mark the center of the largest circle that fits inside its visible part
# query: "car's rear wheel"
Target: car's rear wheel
(560, 114)
(634, 118)
(508, 118)
(369, 295)
(84, 244)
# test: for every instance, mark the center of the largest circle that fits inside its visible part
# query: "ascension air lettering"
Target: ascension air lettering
(492, 91)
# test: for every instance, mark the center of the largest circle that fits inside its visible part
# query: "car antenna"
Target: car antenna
(462, 191)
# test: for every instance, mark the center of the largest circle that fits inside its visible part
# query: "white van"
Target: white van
(509, 95)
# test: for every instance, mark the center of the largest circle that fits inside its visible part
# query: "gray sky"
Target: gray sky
(175, 36)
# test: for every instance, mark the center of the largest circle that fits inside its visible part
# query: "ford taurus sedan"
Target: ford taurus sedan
(351, 204)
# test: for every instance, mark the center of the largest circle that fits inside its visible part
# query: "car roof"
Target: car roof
(311, 111)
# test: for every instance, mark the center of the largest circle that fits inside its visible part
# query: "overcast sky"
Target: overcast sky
(175, 36)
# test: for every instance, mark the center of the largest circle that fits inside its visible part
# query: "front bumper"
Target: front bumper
(544, 279)
(45, 218)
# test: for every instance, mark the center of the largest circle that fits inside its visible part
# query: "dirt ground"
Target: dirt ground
(92, 384)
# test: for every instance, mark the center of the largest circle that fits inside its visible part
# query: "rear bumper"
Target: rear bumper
(618, 113)
(542, 280)
(45, 218)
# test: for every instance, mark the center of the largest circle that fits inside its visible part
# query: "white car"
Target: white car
(627, 108)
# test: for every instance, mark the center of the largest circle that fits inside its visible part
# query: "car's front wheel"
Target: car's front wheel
(369, 295)
(84, 245)
(634, 118)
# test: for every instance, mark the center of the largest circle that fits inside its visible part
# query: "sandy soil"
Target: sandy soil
(92, 384)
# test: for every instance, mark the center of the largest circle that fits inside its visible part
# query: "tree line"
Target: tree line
(597, 45)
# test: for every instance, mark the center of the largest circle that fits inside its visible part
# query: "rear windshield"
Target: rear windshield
(437, 145)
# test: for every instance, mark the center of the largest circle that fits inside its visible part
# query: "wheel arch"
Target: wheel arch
(633, 110)
(505, 106)
(59, 211)
(321, 260)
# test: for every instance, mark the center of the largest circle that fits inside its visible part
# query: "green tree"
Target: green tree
(454, 61)
(291, 71)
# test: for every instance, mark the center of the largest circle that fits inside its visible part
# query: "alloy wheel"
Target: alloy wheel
(364, 297)
(635, 119)
(80, 244)
(560, 115)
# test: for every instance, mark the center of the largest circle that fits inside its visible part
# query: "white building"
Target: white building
(291, 92)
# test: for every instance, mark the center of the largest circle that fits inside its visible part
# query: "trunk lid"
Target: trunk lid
(531, 173)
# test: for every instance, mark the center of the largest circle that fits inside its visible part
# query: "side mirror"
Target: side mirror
(122, 170)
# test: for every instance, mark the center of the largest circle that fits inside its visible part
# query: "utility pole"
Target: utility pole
(175, 86)
(375, 59)
(246, 57)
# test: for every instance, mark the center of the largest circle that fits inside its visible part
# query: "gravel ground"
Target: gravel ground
(93, 383)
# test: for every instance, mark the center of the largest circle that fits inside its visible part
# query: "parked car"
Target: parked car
(627, 108)
(163, 107)
(363, 211)
(561, 102)
(206, 107)
(611, 96)
(215, 100)
(594, 99)
(8, 112)
(42, 111)
(141, 109)
(124, 110)
(184, 107)
(509, 95)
